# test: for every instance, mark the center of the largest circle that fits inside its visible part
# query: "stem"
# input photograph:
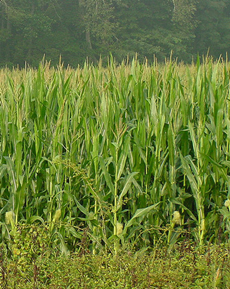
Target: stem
(115, 203)
(172, 225)
(95, 229)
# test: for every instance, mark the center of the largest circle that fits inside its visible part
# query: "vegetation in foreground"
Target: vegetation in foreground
(33, 264)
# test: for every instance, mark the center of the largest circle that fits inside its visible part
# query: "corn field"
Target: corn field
(128, 154)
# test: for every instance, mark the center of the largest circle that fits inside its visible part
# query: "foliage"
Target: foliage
(92, 29)
(213, 31)
(184, 266)
(120, 155)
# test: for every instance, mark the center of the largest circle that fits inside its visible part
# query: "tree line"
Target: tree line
(80, 29)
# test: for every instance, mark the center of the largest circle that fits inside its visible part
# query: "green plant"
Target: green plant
(115, 151)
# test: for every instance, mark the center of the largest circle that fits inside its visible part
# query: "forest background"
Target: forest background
(80, 29)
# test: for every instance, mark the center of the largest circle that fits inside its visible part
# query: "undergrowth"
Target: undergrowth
(29, 260)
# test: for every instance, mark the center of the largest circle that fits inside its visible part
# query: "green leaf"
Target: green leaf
(3, 169)
(191, 215)
(121, 164)
(141, 213)
(36, 218)
(189, 174)
(126, 187)
(81, 208)
(74, 233)
(107, 176)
